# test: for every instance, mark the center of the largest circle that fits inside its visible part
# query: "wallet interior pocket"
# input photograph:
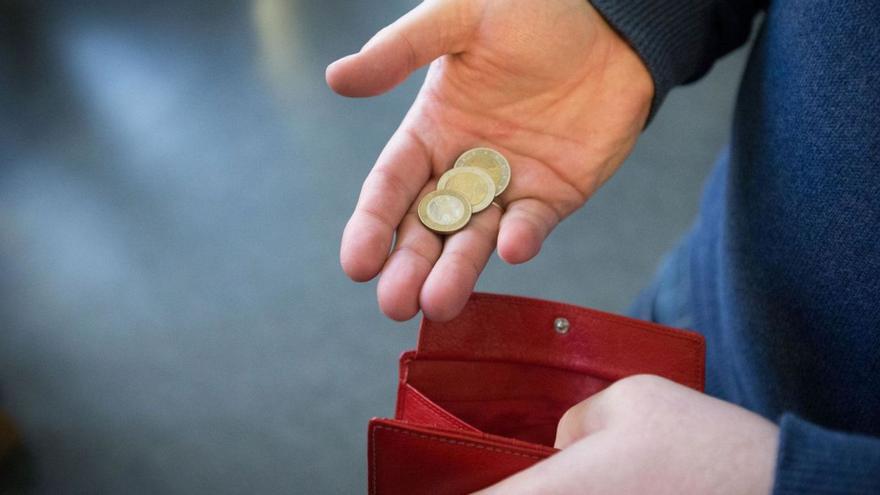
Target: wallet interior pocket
(508, 399)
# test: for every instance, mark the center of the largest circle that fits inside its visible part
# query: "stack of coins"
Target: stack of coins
(478, 176)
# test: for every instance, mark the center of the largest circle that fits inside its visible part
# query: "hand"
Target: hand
(546, 82)
(645, 434)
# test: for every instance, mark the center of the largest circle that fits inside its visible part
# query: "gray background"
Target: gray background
(174, 179)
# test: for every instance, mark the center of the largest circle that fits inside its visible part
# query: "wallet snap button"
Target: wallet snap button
(561, 325)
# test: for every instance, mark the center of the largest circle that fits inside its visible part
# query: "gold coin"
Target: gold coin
(473, 182)
(444, 211)
(489, 160)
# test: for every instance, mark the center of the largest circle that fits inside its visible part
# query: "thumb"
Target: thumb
(585, 418)
(429, 31)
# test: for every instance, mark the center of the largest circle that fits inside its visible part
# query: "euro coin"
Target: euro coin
(473, 182)
(444, 211)
(489, 160)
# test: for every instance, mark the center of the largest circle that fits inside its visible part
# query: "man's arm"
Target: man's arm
(645, 434)
(548, 83)
(679, 40)
(813, 459)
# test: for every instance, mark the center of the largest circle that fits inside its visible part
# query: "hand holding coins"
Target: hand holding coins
(478, 176)
(550, 80)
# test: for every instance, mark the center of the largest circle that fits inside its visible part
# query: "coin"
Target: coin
(473, 182)
(489, 160)
(445, 211)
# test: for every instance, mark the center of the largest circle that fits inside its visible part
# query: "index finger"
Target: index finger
(401, 170)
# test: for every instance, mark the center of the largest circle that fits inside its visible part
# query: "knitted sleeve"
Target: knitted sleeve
(679, 40)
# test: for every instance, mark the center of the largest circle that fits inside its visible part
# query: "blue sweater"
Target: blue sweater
(784, 259)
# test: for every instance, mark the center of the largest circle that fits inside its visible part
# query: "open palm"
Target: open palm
(545, 82)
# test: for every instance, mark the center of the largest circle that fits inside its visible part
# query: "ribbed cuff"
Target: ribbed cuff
(815, 460)
(670, 36)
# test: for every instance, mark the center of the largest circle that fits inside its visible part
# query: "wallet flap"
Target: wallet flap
(531, 331)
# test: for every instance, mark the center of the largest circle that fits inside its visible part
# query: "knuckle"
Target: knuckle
(465, 261)
(417, 252)
(384, 179)
(645, 381)
(634, 388)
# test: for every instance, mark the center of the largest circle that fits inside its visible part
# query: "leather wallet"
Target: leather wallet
(480, 397)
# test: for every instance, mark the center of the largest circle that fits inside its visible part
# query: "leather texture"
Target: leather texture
(480, 397)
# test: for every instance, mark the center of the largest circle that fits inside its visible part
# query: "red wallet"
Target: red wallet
(481, 396)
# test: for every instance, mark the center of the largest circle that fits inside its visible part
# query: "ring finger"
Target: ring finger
(415, 251)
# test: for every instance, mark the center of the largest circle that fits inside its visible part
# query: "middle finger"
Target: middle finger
(465, 254)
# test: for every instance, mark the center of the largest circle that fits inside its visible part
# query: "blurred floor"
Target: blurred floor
(174, 179)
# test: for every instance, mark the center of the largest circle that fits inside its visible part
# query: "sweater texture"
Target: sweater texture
(783, 262)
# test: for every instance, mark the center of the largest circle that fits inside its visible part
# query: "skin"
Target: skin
(548, 84)
(551, 86)
(645, 434)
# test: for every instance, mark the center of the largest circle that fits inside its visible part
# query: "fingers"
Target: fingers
(587, 447)
(415, 252)
(465, 254)
(433, 29)
(524, 227)
(610, 405)
(417, 276)
(389, 190)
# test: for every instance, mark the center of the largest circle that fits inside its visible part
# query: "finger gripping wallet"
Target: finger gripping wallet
(480, 397)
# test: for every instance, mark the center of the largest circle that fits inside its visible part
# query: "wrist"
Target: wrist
(624, 70)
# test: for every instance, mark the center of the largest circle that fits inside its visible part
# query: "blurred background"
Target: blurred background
(174, 180)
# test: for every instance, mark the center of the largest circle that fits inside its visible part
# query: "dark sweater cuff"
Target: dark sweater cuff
(815, 460)
(668, 35)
